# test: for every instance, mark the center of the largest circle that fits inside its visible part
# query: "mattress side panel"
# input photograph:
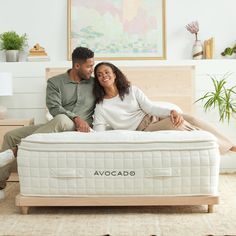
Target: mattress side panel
(120, 172)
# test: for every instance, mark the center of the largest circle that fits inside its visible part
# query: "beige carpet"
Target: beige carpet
(121, 221)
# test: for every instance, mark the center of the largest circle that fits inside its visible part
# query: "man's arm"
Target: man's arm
(54, 104)
(53, 101)
(81, 125)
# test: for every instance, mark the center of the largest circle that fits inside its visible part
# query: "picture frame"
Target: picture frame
(118, 30)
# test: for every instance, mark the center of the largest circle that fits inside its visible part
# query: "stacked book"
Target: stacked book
(209, 48)
(38, 58)
(37, 53)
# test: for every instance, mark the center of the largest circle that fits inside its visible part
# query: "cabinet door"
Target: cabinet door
(5, 129)
(10, 124)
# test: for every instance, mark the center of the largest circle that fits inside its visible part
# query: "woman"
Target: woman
(121, 105)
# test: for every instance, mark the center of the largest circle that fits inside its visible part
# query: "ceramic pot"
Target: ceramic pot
(12, 55)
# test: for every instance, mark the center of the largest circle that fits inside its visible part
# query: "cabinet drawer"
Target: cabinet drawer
(11, 124)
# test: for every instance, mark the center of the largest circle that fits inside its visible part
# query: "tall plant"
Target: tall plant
(222, 98)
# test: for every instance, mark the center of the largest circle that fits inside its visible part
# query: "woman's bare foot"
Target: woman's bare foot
(233, 149)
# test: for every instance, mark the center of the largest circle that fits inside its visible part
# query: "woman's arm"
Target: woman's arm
(99, 122)
(148, 106)
(176, 118)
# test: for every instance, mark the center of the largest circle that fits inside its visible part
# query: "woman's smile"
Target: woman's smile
(106, 76)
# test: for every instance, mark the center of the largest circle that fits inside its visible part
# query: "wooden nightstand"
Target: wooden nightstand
(10, 124)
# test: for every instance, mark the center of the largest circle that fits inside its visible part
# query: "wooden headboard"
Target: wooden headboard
(162, 83)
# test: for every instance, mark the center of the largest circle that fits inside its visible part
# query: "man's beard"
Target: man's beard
(81, 75)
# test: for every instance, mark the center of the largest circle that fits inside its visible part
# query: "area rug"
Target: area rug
(122, 221)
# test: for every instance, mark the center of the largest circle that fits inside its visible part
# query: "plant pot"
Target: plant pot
(12, 55)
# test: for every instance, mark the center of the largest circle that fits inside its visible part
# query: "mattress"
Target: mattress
(119, 163)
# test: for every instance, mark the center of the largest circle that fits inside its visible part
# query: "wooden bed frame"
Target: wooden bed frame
(165, 83)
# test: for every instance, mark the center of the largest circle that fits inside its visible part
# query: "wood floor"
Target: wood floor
(121, 221)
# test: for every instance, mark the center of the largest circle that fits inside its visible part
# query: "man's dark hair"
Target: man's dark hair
(81, 54)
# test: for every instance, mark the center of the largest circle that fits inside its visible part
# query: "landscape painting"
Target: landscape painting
(118, 29)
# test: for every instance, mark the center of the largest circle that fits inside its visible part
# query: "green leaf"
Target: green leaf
(12, 41)
(221, 97)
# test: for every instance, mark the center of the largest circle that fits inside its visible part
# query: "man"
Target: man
(70, 101)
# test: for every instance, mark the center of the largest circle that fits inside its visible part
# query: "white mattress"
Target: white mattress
(119, 163)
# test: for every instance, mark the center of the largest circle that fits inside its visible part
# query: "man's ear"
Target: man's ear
(77, 66)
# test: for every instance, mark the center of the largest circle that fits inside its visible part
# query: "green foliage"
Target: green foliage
(229, 51)
(221, 97)
(12, 41)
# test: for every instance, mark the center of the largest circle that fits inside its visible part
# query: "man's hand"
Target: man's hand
(81, 125)
(176, 118)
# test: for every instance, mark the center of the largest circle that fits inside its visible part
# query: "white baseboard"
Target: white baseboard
(228, 163)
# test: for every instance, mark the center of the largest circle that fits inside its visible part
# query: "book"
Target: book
(209, 48)
(38, 58)
(38, 54)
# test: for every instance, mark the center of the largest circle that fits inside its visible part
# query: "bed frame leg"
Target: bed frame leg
(210, 208)
(24, 210)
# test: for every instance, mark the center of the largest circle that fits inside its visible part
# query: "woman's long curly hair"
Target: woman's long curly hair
(121, 82)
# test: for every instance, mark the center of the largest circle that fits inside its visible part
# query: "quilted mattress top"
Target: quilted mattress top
(120, 139)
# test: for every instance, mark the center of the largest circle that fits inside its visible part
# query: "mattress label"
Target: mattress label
(104, 173)
(148, 173)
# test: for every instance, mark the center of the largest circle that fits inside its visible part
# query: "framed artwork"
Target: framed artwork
(118, 29)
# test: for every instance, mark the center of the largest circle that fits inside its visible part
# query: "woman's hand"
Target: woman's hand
(176, 118)
(81, 125)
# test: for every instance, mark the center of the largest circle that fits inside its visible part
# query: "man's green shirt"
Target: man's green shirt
(64, 96)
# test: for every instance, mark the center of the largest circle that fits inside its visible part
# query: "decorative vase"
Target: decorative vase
(197, 50)
(12, 55)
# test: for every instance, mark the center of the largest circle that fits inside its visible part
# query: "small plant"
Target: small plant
(221, 97)
(229, 51)
(193, 28)
(12, 41)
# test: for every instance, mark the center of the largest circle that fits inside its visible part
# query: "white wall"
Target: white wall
(45, 22)
(216, 19)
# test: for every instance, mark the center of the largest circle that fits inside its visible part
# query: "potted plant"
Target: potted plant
(222, 98)
(12, 43)
(229, 51)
